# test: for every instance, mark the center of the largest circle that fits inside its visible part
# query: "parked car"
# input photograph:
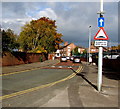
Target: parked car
(118, 57)
(76, 59)
(67, 57)
(71, 58)
(63, 59)
(111, 56)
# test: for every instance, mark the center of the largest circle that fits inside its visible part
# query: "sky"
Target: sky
(72, 18)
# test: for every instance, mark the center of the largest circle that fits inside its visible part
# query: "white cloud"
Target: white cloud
(8, 21)
(19, 20)
(59, 1)
(72, 19)
(48, 12)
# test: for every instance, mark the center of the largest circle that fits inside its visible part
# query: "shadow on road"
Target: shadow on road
(83, 76)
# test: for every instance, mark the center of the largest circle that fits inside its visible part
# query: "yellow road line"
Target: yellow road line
(39, 87)
(79, 69)
(18, 72)
(21, 71)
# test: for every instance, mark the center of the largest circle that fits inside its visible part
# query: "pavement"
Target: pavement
(88, 95)
(22, 67)
(87, 90)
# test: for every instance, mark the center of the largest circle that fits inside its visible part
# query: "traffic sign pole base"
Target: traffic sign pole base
(100, 61)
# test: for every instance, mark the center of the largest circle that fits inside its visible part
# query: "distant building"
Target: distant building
(67, 49)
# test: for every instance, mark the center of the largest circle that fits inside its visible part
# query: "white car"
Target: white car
(68, 57)
(77, 59)
(63, 59)
(113, 56)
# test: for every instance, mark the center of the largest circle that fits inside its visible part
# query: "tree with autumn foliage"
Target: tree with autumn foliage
(40, 36)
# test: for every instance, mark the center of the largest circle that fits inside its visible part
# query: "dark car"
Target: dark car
(76, 59)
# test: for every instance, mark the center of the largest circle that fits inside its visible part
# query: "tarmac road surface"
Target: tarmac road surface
(59, 85)
(34, 88)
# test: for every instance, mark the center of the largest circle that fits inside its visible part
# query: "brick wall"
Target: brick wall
(17, 58)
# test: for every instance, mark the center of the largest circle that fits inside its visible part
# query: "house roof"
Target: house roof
(81, 47)
(66, 46)
(69, 44)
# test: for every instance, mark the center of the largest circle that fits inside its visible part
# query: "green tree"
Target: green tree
(85, 51)
(75, 51)
(40, 35)
(118, 47)
(9, 40)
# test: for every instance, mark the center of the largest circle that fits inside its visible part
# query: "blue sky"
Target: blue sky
(72, 18)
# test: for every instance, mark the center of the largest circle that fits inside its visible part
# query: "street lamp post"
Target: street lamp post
(89, 43)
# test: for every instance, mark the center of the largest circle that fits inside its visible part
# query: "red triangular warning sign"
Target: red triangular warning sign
(101, 35)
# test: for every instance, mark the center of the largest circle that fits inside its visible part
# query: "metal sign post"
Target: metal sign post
(101, 5)
(100, 36)
(100, 57)
(100, 61)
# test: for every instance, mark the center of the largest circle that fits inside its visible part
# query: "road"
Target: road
(39, 87)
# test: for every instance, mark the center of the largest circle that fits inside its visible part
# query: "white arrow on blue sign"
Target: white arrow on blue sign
(101, 22)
